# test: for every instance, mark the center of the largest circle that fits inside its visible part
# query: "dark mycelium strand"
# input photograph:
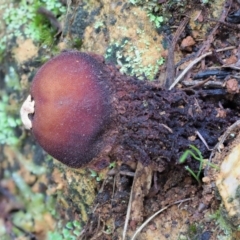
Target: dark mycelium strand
(157, 124)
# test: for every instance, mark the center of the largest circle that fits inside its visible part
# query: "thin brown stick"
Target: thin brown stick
(234, 126)
(53, 20)
(219, 145)
(199, 84)
(155, 214)
(127, 215)
(195, 61)
(227, 24)
(206, 45)
(196, 83)
(203, 140)
(126, 173)
(170, 70)
(192, 55)
(191, 64)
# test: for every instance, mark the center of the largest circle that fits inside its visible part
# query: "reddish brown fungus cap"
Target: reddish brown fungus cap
(72, 107)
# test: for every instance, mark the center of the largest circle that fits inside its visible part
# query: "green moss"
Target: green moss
(9, 112)
(71, 231)
(195, 231)
(157, 20)
(221, 221)
(98, 24)
(77, 43)
(130, 59)
(35, 206)
(54, 236)
(22, 21)
(192, 232)
(149, 5)
(159, 12)
(39, 206)
(8, 124)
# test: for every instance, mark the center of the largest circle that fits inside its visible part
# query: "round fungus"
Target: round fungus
(72, 107)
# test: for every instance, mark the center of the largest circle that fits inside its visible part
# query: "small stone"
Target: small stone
(206, 179)
(232, 86)
(187, 43)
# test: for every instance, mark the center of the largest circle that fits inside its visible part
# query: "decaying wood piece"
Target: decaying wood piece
(228, 184)
(141, 187)
(226, 178)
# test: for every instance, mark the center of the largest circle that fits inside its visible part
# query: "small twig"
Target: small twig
(192, 55)
(217, 56)
(103, 184)
(199, 84)
(128, 214)
(225, 49)
(170, 70)
(195, 61)
(227, 132)
(53, 20)
(222, 140)
(193, 84)
(168, 128)
(196, 83)
(227, 24)
(206, 45)
(137, 192)
(186, 59)
(199, 13)
(155, 184)
(199, 109)
(127, 173)
(95, 208)
(155, 214)
(114, 188)
(203, 140)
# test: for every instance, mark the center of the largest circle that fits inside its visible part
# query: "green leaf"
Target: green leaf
(77, 224)
(184, 156)
(69, 225)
